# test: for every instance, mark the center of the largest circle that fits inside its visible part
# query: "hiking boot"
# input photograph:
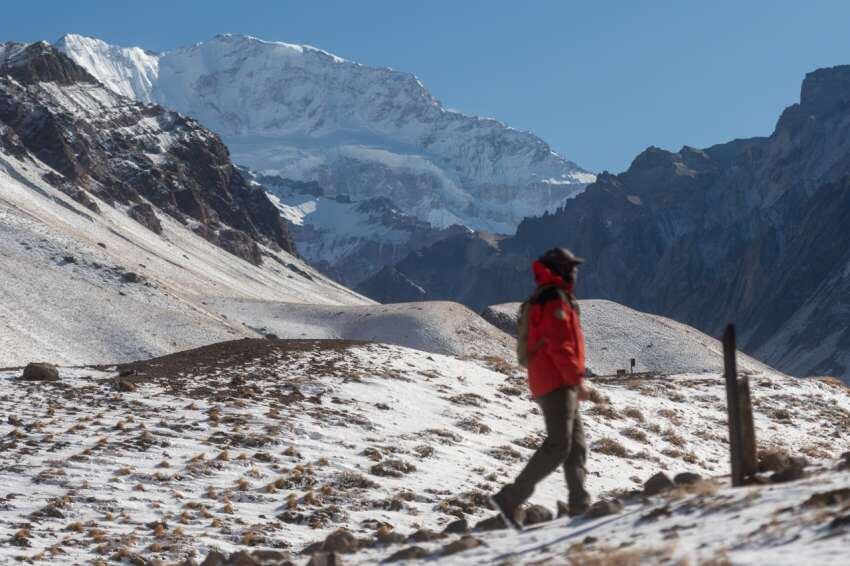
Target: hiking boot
(576, 509)
(506, 512)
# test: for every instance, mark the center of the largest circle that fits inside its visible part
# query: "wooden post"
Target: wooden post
(749, 457)
(742, 438)
(732, 405)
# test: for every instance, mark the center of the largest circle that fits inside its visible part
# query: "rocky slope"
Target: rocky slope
(137, 156)
(751, 231)
(359, 131)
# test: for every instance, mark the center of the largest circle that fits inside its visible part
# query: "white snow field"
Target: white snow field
(65, 298)
(615, 333)
(274, 444)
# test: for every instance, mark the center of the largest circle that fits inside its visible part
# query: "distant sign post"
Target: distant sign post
(632, 361)
(742, 438)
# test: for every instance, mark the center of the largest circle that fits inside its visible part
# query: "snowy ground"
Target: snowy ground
(274, 444)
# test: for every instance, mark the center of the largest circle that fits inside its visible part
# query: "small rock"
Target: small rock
(656, 484)
(130, 277)
(535, 514)
(457, 527)
(124, 385)
(325, 559)
(271, 336)
(773, 460)
(271, 556)
(69, 259)
(409, 553)
(493, 523)
(214, 558)
(387, 535)
(342, 541)
(466, 542)
(425, 535)
(791, 473)
(604, 508)
(241, 558)
(38, 371)
(686, 478)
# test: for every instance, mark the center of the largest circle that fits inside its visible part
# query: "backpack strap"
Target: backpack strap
(546, 293)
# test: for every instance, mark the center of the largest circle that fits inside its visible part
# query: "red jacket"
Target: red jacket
(555, 339)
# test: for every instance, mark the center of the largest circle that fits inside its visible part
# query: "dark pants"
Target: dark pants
(564, 445)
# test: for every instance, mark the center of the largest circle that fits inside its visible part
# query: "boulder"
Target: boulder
(658, 483)
(425, 535)
(535, 514)
(603, 508)
(457, 527)
(40, 371)
(325, 559)
(342, 541)
(687, 478)
(493, 523)
(466, 542)
(409, 553)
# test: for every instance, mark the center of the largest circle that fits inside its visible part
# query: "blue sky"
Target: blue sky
(599, 81)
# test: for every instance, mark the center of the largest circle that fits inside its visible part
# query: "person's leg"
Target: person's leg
(551, 453)
(575, 467)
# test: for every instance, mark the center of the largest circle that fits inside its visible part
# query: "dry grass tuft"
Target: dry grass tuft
(634, 413)
(610, 447)
(635, 434)
(608, 556)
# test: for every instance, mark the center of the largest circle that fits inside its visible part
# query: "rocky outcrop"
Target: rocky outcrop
(752, 231)
(123, 152)
(349, 240)
(144, 214)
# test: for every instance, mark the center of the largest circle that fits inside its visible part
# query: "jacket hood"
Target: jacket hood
(545, 276)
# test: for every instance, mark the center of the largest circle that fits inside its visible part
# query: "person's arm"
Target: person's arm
(561, 342)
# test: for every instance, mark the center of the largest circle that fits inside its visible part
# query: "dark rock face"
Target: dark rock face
(240, 244)
(102, 144)
(144, 214)
(751, 231)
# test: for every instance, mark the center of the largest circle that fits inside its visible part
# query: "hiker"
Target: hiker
(551, 346)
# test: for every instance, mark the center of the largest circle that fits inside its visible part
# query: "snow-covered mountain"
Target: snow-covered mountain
(360, 132)
(118, 219)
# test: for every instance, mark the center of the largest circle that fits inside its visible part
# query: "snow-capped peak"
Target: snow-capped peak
(364, 132)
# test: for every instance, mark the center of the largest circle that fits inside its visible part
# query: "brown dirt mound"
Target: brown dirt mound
(225, 355)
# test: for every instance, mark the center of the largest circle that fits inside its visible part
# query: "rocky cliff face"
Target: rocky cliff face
(360, 132)
(346, 239)
(128, 154)
(752, 231)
